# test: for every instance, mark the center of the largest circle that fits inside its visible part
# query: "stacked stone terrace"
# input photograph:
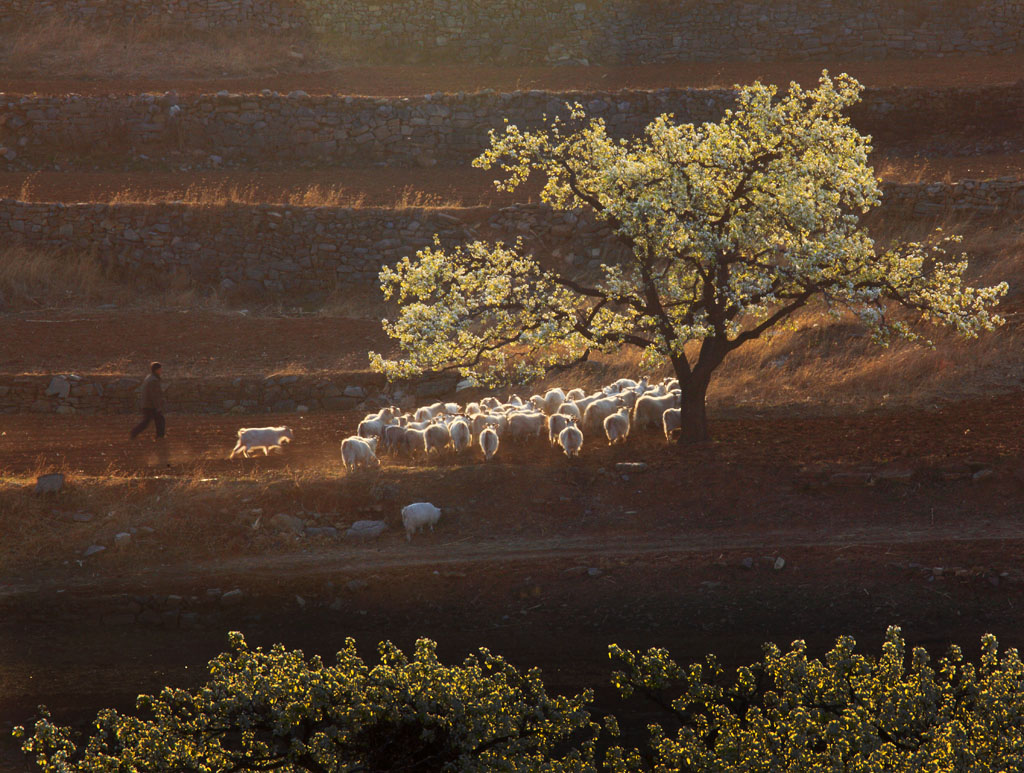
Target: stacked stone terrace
(594, 31)
(268, 252)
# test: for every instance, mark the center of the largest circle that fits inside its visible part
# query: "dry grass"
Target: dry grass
(36, 278)
(316, 195)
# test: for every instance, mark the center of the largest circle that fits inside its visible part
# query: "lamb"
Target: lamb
(571, 440)
(648, 410)
(417, 515)
(616, 426)
(436, 437)
(359, 452)
(556, 423)
(489, 442)
(461, 435)
(267, 438)
(525, 425)
(672, 421)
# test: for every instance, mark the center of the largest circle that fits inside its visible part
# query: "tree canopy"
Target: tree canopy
(731, 227)
(785, 713)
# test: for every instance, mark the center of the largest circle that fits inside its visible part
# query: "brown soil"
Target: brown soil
(508, 569)
(388, 186)
(412, 80)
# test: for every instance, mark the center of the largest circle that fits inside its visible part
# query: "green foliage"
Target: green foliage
(786, 713)
(846, 712)
(730, 227)
(278, 710)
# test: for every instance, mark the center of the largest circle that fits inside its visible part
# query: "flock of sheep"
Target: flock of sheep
(565, 417)
(618, 409)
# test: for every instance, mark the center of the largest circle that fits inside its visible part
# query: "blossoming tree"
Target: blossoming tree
(731, 228)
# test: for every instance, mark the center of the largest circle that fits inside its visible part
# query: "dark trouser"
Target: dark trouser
(149, 415)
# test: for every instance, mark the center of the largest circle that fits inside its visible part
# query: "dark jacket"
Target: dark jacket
(152, 394)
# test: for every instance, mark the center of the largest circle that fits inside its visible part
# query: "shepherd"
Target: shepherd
(152, 403)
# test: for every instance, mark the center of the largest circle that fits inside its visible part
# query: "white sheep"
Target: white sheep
(671, 421)
(599, 410)
(569, 408)
(616, 426)
(571, 440)
(393, 438)
(575, 394)
(553, 400)
(461, 435)
(522, 426)
(556, 423)
(359, 452)
(490, 403)
(416, 440)
(648, 410)
(436, 437)
(489, 442)
(417, 515)
(267, 438)
(373, 426)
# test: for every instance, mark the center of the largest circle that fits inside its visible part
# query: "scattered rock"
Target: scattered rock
(285, 522)
(366, 529)
(93, 550)
(321, 531)
(354, 585)
(122, 539)
(82, 517)
(747, 563)
(984, 474)
(466, 383)
(852, 478)
(780, 563)
(232, 597)
(336, 605)
(355, 391)
(633, 467)
(593, 571)
(300, 601)
(49, 484)
(188, 621)
(895, 476)
(59, 387)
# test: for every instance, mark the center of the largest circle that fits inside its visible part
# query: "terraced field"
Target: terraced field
(901, 505)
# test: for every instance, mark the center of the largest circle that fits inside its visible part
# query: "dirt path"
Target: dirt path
(412, 80)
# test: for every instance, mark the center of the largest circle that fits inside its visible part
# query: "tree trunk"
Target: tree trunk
(693, 414)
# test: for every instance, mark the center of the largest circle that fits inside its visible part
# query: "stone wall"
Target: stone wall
(268, 129)
(309, 251)
(592, 31)
(90, 394)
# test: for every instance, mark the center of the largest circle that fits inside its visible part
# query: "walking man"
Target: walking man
(152, 403)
